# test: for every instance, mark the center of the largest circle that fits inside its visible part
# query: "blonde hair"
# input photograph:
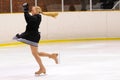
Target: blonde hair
(51, 14)
(38, 9)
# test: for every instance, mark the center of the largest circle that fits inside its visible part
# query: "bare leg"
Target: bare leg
(53, 56)
(34, 51)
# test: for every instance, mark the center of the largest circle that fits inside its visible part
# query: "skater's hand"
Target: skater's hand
(25, 7)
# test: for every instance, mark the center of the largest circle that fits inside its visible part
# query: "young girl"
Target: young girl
(31, 36)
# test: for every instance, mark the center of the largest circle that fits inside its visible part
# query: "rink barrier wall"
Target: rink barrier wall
(66, 26)
(59, 41)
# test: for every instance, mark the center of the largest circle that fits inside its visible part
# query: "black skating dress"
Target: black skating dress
(31, 35)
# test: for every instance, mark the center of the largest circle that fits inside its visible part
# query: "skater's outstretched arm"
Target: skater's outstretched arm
(29, 18)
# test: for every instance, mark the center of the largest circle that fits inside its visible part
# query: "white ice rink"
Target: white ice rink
(95, 60)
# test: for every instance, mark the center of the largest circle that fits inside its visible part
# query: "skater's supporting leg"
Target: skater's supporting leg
(34, 51)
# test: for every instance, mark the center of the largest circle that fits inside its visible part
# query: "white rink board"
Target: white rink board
(67, 25)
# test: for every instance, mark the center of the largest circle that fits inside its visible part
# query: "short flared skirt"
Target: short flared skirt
(29, 38)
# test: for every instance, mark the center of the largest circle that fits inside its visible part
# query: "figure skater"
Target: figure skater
(31, 36)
